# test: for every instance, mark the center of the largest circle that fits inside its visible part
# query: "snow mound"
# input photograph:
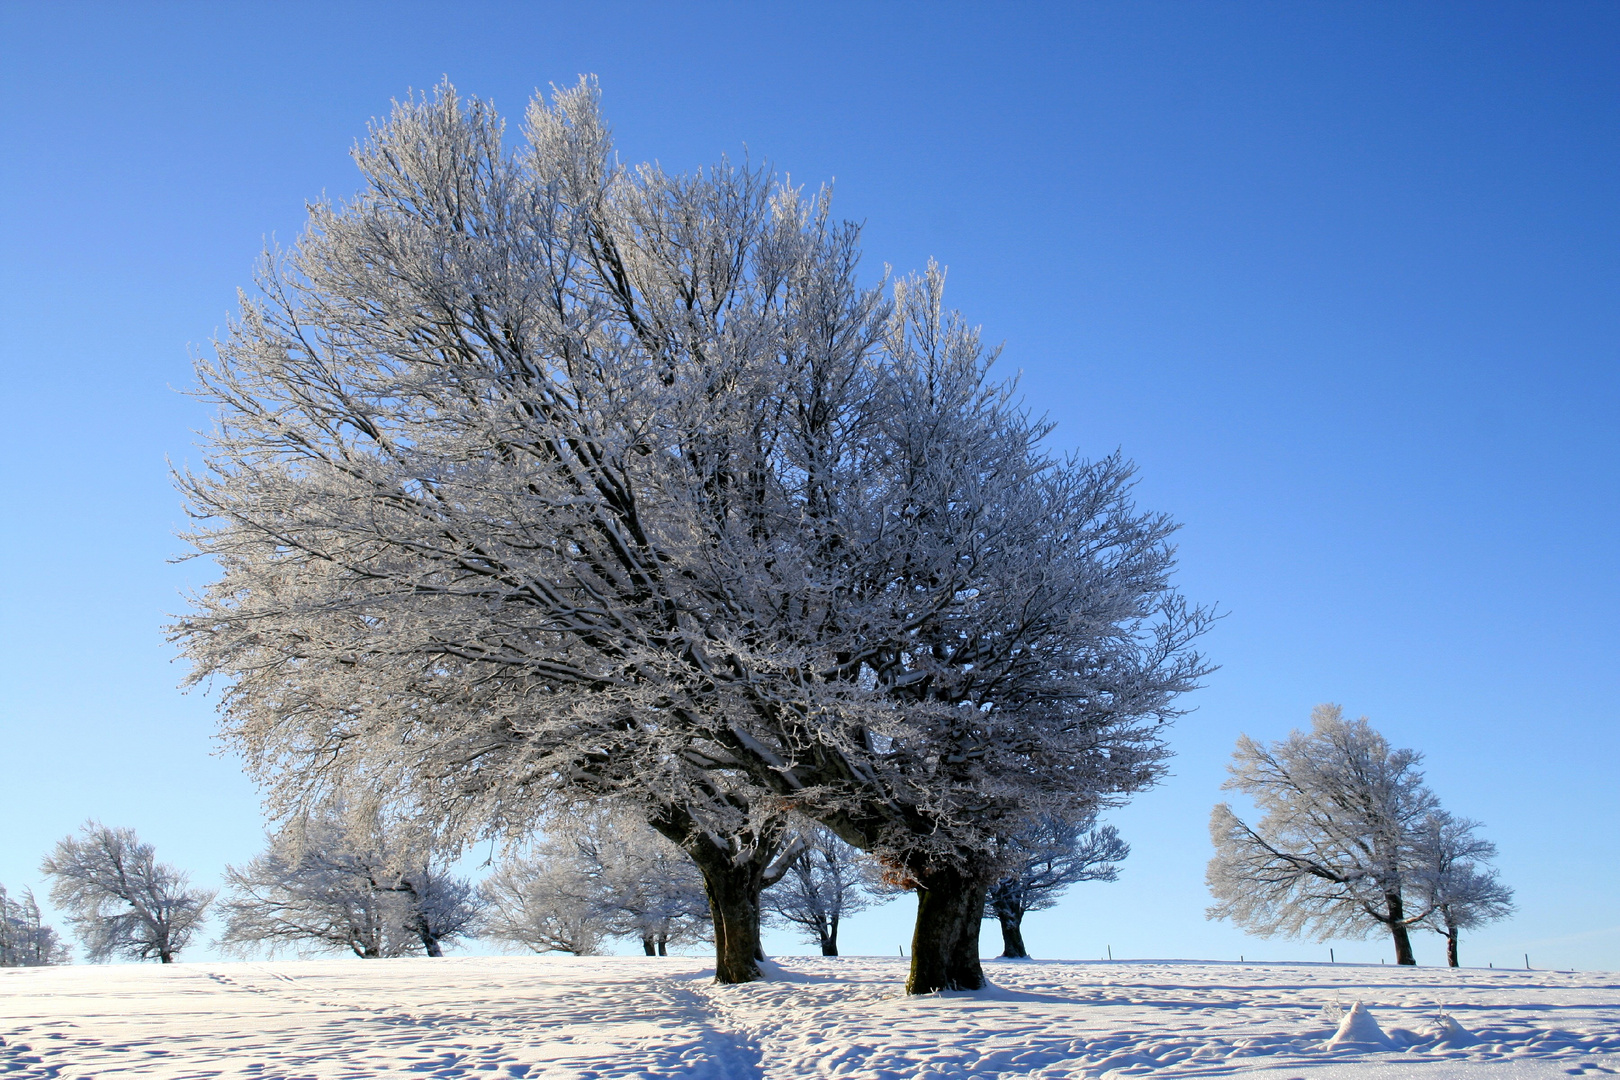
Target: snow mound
(1447, 1032)
(1360, 1031)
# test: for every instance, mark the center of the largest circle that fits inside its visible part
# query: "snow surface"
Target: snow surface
(573, 1018)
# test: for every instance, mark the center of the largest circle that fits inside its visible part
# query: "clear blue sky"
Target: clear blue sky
(1341, 278)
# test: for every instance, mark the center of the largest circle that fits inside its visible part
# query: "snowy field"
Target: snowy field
(571, 1018)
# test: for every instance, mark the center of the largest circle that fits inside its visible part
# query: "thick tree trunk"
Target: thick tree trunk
(1012, 933)
(945, 943)
(166, 957)
(734, 873)
(1397, 930)
(1451, 946)
(733, 893)
(663, 944)
(648, 947)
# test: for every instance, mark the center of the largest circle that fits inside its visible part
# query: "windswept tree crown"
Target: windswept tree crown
(538, 476)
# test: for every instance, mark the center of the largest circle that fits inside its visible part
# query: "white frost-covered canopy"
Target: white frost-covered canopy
(538, 476)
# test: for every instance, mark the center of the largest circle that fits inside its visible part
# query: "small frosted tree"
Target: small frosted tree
(441, 908)
(1337, 848)
(120, 901)
(1043, 860)
(1459, 886)
(645, 887)
(308, 905)
(545, 905)
(824, 885)
(25, 939)
(329, 882)
(598, 876)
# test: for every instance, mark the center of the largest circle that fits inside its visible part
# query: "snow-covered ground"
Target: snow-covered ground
(570, 1018)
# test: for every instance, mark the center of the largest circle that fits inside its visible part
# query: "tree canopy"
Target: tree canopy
(541, 478)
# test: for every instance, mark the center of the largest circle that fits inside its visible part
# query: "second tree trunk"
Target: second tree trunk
(1012, 934)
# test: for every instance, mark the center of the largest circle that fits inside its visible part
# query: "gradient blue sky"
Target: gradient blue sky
(1342, 279)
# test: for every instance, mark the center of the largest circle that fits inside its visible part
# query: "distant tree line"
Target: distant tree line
(25, 940)
(344, 879)
(341, 880)
(1350, 841)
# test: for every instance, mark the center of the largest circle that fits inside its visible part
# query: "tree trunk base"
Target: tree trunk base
(945, 943)
(733, 878)
(733, 893)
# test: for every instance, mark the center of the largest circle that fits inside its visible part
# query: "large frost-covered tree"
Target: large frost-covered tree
(338, 881)
(540, 478)
(119, 900)
(25, 939)
(1043, 859)
(1456, 881)
(1338, 849)
(825, 884)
